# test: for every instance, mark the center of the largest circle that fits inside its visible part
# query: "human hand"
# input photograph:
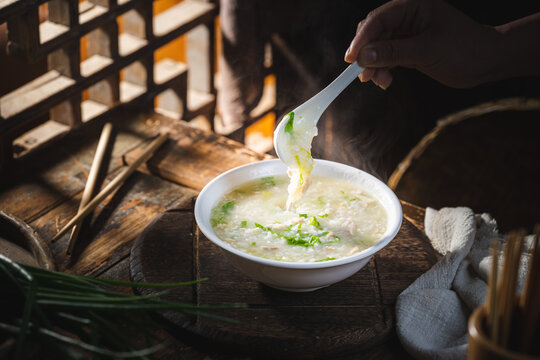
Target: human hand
(428, 35)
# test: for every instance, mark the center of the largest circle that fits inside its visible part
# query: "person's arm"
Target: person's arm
(440, 41)
(519, 50)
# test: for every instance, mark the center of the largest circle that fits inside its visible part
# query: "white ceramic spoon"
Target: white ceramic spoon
(312, 109)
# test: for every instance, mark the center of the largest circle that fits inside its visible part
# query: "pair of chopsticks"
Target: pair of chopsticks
(513, 321)
(87, 204)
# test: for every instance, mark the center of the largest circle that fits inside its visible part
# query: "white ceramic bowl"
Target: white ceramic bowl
(292, 276)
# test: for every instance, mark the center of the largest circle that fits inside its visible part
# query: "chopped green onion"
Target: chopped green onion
(300, 239)
(315, 223)
(243, 224)
(326, 259)
(289, 125)
(300, 169)
(218, 214)
(303, 215)
(268, 181)
(227, 206)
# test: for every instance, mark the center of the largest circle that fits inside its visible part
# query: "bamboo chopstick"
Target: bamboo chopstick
(513, 320)
(530, 297)
(509, 286)
(115, 183)
(91, 182)
(492, 302)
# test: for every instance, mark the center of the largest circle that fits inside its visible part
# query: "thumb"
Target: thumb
(390, 53)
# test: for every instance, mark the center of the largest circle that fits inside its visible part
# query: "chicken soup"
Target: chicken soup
(331, 220)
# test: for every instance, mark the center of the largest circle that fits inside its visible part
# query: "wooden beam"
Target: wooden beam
(104, 42)
(66, 61)
(137, 23)
(23, 33)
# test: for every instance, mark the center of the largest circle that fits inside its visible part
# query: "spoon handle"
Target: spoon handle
(329, 93)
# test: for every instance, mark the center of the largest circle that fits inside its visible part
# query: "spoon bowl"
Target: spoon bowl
(311, 110)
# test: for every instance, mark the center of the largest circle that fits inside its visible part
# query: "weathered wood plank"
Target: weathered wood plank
(38, 136)
(49, 30)
(358, 290)
(172, 231)
(117, 222)
(129, 44)
(196, 157)
(48, 179)
(91, 109)
(179, 15)
(94, 64)
(299, 332)
(130, 91)
(415, 214)
(402, 261)
(34, 93)
(344, 317)
(168, 69)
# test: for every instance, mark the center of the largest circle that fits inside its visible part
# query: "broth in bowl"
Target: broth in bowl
(333, 219)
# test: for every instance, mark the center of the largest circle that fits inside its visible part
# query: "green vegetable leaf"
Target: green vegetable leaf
(243, 224)
(315, 223)
(303, 215)
(300, 238)
(289, 125)
(219, 213)
(227, 206)
(326, 259)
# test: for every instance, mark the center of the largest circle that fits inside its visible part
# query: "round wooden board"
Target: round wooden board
(351, 316)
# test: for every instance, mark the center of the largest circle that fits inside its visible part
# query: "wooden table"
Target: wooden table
(44, 190)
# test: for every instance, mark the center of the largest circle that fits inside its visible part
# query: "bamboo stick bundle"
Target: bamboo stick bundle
(513, 320)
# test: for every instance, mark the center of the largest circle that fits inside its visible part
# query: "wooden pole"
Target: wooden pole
(91, 182)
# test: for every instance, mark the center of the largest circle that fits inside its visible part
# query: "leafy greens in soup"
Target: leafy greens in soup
(331, 220)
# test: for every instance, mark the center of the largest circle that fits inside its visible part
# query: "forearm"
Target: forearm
(519, 48)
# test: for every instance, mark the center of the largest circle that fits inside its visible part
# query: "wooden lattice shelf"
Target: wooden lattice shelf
(119, 70)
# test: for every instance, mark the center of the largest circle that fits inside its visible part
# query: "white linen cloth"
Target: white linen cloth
(432, 313)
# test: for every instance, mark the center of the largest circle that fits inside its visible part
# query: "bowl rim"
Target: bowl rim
(210, 234)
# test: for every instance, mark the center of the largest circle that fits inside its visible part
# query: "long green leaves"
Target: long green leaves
(75, 315)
